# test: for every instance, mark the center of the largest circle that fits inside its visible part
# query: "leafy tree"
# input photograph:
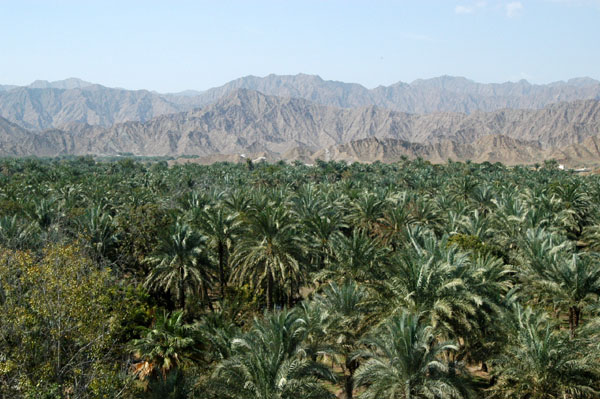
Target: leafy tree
(62, 319)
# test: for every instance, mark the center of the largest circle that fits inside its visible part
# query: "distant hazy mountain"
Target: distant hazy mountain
(70, 83)
(12, 138)
(44, 108)
(442, 94)
(7, 87)
(44, 105)
(248, 122)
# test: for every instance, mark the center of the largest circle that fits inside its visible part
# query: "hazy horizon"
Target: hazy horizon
(300, 73)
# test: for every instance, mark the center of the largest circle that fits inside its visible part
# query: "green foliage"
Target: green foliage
(134, 278)
(61, 321)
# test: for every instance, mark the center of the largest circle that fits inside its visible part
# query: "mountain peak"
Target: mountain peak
(67, 84)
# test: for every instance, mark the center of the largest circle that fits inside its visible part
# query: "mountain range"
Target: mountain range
(249, 122)
(303, 117)
(44, 105)
(442, 94)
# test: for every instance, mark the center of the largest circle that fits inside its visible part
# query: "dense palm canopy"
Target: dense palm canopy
(132, 278)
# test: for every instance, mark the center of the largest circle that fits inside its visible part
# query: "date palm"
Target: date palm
(269, 252)
(180, 264)
(356, 257)
(542, 362)
(316, 328)
(16, 233)
(220, 228)
(366, 211)
(406, 361)
(394, 222)
(432, 279)
(571, 281)
(269, 363)
(164, 346)
(321, 221)
(351, 316)
(99, 229)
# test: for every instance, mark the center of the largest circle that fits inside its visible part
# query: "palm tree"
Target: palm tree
(366, 211)
(321, 221)
(570, 282)
(357, 257)
(180, 264)
(405, 360)
(164, 346)
(270, 252)
(394, 222)
(351, 316)
(216, 332)
(100, 231)
(575, 197)
(220, 229)
(16, 233)
(43, 213)
(316, 328)
(433, 279)
(268, 363)
(542, 362)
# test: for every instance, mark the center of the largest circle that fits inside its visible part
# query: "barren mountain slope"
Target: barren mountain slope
(490, 148)
(44, 108)
(250, 122)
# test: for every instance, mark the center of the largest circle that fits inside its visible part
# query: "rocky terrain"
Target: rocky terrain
(249, 122)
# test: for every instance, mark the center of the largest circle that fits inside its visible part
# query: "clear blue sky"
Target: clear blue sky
(177, 45)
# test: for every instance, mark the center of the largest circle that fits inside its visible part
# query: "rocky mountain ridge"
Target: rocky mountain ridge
(249, 122)
(45, 105)
(441, 94)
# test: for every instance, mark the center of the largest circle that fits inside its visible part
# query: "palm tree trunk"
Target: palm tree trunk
(181, 289)
(269, 292)
(349, 386)
(290, 295)
(574, 315)
(222, 282)
(206, 296)
(351, 366)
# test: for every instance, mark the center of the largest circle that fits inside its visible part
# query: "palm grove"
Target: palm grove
(137, 280)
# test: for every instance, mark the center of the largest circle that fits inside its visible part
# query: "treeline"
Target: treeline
(133, 279)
